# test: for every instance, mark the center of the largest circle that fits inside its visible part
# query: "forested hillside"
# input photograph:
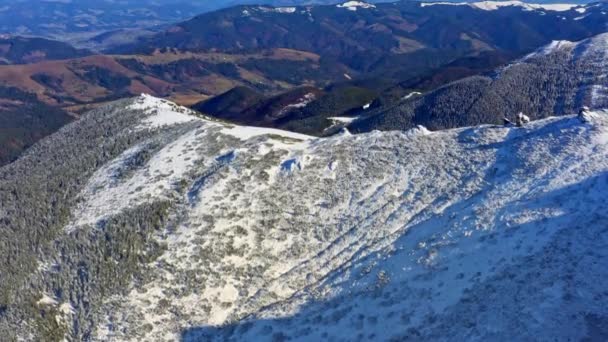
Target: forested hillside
(559, 78)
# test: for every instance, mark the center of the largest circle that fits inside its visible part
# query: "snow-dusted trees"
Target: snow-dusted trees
(37, 195)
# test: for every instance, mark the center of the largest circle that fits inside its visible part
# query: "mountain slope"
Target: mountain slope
(144, 220)
(302, 109)
(23, 50)
(556, 79)
(24, 120)
(231, 103)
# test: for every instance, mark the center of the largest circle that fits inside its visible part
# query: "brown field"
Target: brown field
(70, 88)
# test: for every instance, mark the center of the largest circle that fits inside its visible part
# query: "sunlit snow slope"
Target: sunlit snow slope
(484, 233)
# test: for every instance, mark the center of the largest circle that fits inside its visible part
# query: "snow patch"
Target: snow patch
(554, 46)
(495, 5)
(66, 309)
(161, 112)
(248, 132)
(285, 9)
(410, 95)
(301, 103)
(354, 5)
(47, 300)
(343, 119)
(417, 131)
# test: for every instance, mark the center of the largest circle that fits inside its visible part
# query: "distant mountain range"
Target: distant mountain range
(51, 18)
(102, 24)
(378, 37)
(88, 23)
(356, 52)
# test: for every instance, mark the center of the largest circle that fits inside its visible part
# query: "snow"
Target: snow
(285, 10)
(47, 300)
(282, 10)
(343, 119)
(163, 113)
(495, 5)
(417, 131)
(168, 166)
(443, 246)
(384, 233)
(165, 168)
(354, 5)
(591, 53)
(552, 47)
(301, 103)
(597, 47)
(248, 132)
(599, 94)
(594, 49)
(66, 309)
(412, 94)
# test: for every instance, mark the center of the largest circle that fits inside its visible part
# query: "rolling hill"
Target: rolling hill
(24, 50)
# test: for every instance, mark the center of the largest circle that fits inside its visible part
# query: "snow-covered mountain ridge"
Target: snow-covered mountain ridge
(591, 48)
(495, 5)
(480, 233)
